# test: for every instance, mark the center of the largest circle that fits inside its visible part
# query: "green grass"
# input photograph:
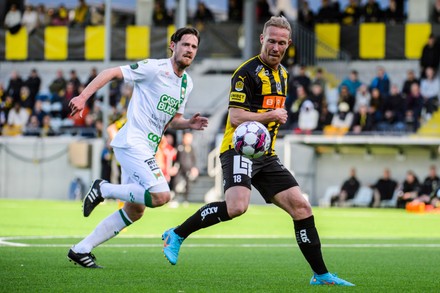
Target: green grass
(380, 250)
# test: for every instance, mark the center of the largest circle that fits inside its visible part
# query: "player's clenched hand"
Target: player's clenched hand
(198, 122)
(279, 115)
(76, 105)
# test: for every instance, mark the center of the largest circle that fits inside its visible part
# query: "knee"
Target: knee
(236, 209)
(159, 199)
(134, 213)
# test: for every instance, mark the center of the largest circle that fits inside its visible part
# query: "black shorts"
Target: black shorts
(267, 174)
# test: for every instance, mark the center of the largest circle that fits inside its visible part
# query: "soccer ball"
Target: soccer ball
(251, 139)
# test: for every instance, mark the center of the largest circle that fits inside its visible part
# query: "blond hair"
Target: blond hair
(278, 21)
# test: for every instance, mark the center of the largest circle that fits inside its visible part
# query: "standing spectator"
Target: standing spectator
(409, 191)
(13, 19)
(74, 79)
(430, 56)
(351, 13)
(58, 84)
(381, 82)
(393, 112)
(410, 79)
(362, 97)
(160, 14)
(435, 13)
(60, 16)
(348, 190)
(393, 15)
(371, 11)
(30, 19)
(235, 11)
(414, 106)
(429, 89)
(362, 120)
(82, 15)
(328, 12)
(262, 11)
(186, 164)
(352, 82)
(203, 15)
(383, 189)
(306, 17)
(14, 86)
(33, 82)
(43, 17)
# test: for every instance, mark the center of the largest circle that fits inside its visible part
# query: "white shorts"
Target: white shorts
(138, 165)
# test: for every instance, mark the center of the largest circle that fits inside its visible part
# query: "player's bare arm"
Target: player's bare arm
(238, 116)
(77, 104)
(196, 122)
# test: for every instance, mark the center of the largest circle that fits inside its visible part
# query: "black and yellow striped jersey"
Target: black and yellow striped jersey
(256, 87)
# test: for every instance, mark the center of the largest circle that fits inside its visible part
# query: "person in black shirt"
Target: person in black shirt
(348, 189)
(409, 191)
(384, 188)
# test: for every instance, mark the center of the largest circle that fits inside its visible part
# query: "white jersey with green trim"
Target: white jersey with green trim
(158, 94)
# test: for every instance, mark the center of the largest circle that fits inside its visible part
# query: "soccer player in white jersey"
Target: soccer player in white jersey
(160, 93)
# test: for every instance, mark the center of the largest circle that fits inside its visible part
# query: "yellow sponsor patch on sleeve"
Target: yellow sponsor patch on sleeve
(237, 97)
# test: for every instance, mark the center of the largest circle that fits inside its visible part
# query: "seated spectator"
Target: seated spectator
(25, 99)
(320, 79)
(393, 112)
(38, 111)
(299, 79)
(435, 12)
(60, 16)
(46, 127)
(30, 19)
(409, 191)
(203, 15)
(43, 16)
(6, 104)
(345, 96)
(74, 79)
(262, 11)
(429, 185)
(235, 11)
(392, 15)
(32, 127)
(17, 119)
(362, 98)
(371, 11)
(414, 106)
(410, 79)
(341, 121)
(82, 15)
(381, 82)
(430, 89)
(307, 118)
(317, 96)
(430, 56)
(362, 120)
(58, 84)
(13, 19)
(351, 13)
(296, 106)
(352, 82)
(160, 14)
(348, 190)
(306, 17)
(384, 188)
(328, 12)
(66, 96)
(435, 198)
(325, 117)
(376, 106)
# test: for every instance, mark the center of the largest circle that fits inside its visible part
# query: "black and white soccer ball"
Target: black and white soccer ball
(251, 139)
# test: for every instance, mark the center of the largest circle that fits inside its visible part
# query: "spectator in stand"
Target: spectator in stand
(429, 185)
(325, 117)
(362, 97)
(362, 120)
(17, 118)
(60, 16)
(235, 11)
(14, 85)
(32, 128)
(410, 79)
(383, 189)
(38, 111)
(306, 17)
(430, 56)
(308, 118)
(351, 13)
(348, 190)
(43, 17)
(160, 14)
(46, 128)
(346, 97)
(376, 106)
(203, 15)
(435, 13)
(409, 190)
(74, 79)
(381, 82)
(430, 89)
(341, 121)
(352, 82)
(82, 15)
(33, 82)
(296, 80)
(393, 111)
(317, 96)
(327, 13)
(371, 12)
(66, 96)
(320, 79)
(25, 99)
(262, 11)
(6, 104)
(29, 19)
(58, 84)
(392, 15)
(13, 19)
(414, 106)
(301, 97)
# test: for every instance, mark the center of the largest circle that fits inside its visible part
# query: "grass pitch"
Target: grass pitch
(380, 250)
